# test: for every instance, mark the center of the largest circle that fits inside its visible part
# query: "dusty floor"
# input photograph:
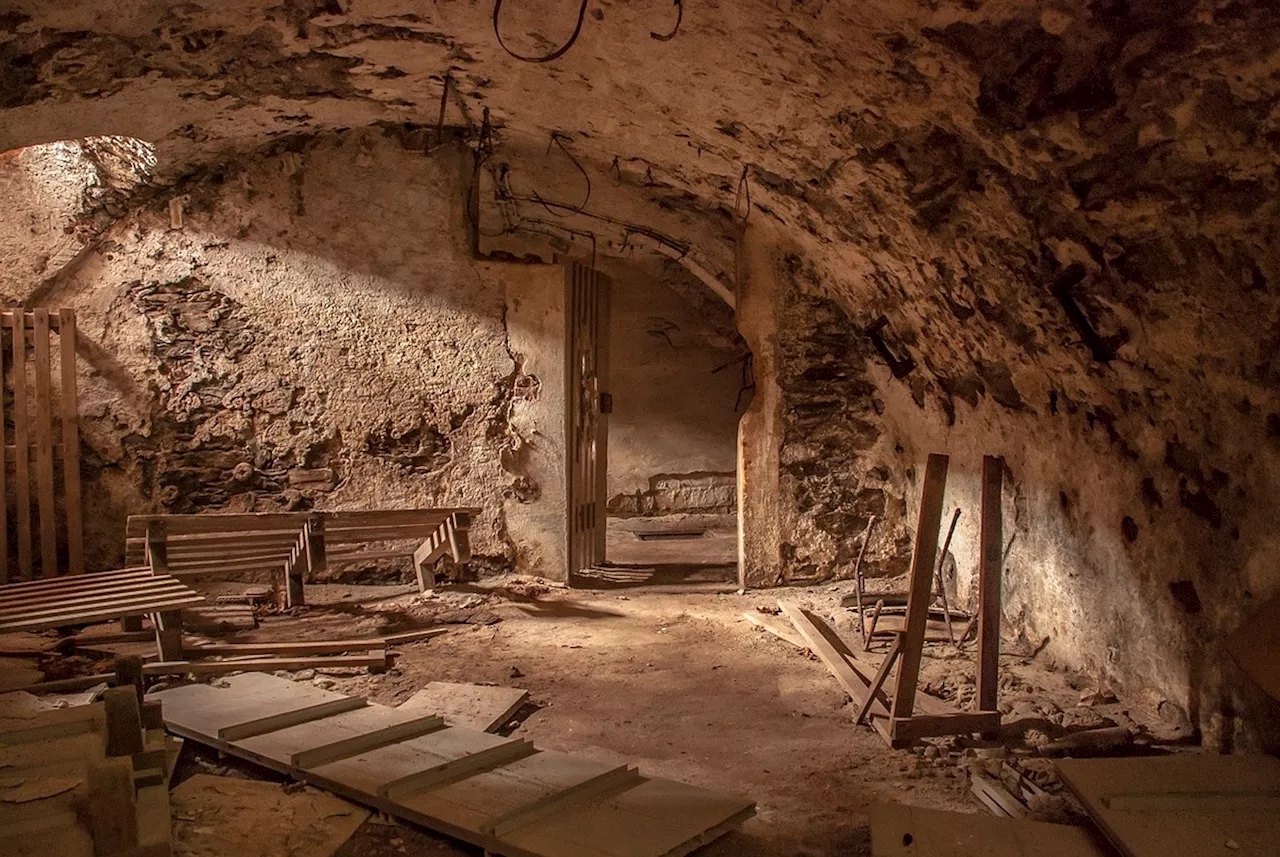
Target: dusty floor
(681, 686)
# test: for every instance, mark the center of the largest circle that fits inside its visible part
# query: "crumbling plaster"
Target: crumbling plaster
(937, 162)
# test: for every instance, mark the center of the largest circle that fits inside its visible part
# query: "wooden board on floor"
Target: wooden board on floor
(780, 628)
(909, 831)
(226, 817)
(1159, 806)
(536, 804)
(472, 706)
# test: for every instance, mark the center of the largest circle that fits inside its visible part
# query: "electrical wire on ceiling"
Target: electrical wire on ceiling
(557, 139)
(671, 35)
(743, 185)
(554, 55)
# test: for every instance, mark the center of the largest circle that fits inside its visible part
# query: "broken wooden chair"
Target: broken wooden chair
(888, 609)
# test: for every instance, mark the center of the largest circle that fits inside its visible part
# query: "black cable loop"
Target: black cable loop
(671, 35)
(557, 139)
(554, 55)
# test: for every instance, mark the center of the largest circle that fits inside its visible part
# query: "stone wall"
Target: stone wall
(315, 335)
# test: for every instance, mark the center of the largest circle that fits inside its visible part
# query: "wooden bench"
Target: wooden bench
(301, 544)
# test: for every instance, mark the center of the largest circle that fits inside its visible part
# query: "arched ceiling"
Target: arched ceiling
(940, 160)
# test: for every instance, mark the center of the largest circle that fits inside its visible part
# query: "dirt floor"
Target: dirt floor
(683, 687)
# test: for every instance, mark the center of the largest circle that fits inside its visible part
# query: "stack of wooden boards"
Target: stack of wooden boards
(295, 543)
(86, 781)
(501, 794)
(1147, 806)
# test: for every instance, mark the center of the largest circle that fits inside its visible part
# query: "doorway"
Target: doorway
(673, 378)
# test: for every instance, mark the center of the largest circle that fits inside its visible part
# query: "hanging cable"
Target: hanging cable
(557, 139)
(671, 35)
(554, 55)
(444, 101)
(743, 185)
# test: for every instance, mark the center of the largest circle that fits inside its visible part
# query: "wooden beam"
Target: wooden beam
(617, 779)
(285, 719)
(456, 769)
(317, 647)
(44, 448)
(991, 561)
(73, 496)
(124, 721)
(317, 559)
(838, 666)
(895, 649)
(372, 659)
(905, 730)
(112, 807)
(22, 464)
(921, 584)
(363, 743)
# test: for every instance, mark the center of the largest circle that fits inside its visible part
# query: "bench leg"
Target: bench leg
(169, 635)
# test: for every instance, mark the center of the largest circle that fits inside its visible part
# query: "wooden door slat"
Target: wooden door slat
(71, 441)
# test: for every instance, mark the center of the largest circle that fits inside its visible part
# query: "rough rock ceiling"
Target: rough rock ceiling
(940, 161)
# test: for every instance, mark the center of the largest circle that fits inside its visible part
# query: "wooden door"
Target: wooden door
(587, 405)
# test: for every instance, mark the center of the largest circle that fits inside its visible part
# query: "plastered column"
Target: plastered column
(759, 430)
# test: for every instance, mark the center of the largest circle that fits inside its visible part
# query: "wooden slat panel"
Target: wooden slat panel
(71, 442)
(97, 579)
(84, 616)
(29, 319)
(259, 521)
(32, 600)
(44, 448)
(168, 589)
(21, 475)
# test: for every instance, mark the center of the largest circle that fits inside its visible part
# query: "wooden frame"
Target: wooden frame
(587, 407)
(892, 704)
(297, 545)
(34, 433)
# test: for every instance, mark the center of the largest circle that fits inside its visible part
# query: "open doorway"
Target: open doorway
(679, 377)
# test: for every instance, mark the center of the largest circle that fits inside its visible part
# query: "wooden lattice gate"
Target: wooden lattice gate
(41, 450)
(587, 405)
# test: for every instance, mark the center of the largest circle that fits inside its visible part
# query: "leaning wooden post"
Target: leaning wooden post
(921, 592)
(991, 559)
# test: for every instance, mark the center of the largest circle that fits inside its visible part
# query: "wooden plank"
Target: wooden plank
(471, 706)
(413, 636)
(318, 647)
(372, 659)
(991, 561)
(44, 448)
(78, 584)
(164, 587)
(72, 492)
(656, 817)
(370, 771)
(775, 627)
(877, 683)
(996, 797)
(21, 727)
(908, 729)
(38, 602)
(98, 612)
(457, 769)
(614, 780)
(912, 831)
(124, 721)
(408, 725)
(112, 805)
(21, 475)
(252, 522)
(283, 719)
(200, 709)
(4, 489)
(921, 584)
(838, 665)
(1199, 817)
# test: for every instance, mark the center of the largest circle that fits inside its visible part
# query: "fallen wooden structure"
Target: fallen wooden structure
(890, 701)
(38, 453)
(1156, 806)
(85, 781)
(84, 598)
(500, 794)
(299, 546)
(912, 831)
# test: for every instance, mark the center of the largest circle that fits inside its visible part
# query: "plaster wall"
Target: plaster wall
(673, 430)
